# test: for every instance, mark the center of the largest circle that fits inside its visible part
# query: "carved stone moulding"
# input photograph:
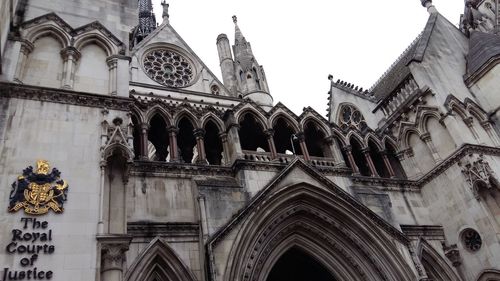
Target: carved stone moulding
(10, 90)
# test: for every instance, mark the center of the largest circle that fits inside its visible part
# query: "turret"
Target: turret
(250, 76)
(227, 64)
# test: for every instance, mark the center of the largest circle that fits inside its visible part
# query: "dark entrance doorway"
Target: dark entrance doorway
(295, 265)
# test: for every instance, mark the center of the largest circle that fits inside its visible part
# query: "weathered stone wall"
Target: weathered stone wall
(68, 136)
(450, 202)
(116, 15)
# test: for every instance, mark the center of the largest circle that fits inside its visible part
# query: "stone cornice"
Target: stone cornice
(414, 185)
(10, 90)
(144, 87)
(429, 232)
(154, 229)
(454, 158)
(162, 168)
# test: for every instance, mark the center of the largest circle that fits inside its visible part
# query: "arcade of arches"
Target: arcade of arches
(186, 142)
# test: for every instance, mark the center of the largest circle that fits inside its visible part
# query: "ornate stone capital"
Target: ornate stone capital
(70, 52)
(301, 136)
(26, 47)
(269, 133)
(409, 152)
(478, 174)
(365, 150)
(113, 248)
(452, 253)
(426, 137)
(329, 140)
(173, 130)
(199, 133)
(347, 148)
(223, 137)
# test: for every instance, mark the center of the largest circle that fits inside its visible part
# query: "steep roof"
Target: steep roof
(396, 74)
(483, 49)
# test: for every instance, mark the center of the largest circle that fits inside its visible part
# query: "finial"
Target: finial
(165, 15)
(428, 4)
(330, 77)
(235, 19)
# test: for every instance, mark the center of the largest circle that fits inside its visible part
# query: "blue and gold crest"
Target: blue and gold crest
(39, 191)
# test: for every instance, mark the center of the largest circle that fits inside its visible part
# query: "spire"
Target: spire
(147, 21)
(238, 35)
(251, 79)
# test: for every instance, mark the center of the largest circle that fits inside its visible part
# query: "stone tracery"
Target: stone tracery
(168, 68)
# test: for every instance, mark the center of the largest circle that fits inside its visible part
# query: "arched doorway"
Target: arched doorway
(296, 265)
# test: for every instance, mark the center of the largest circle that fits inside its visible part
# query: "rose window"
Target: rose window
(472, 240)
(351, 117)
(168, 68)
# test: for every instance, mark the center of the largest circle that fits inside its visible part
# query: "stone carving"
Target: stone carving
(39, 191)
(452, 253)
(168, 68)
(351, 117)
(113, 256)
(478, 174)
(117, 138)
(64, 97)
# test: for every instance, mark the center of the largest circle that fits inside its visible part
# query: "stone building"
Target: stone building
(156, 170)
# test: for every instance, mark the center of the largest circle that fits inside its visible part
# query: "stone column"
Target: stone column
(113, 248)
(354, 167)
(469, 121)
(144, 141)
(428, 141)
(172, 134)
(412, 164)
(26, 48)
(70, 56)
(387, 164)
(100, 223)
(200, 145)
(203, 217)
(371, 166)
(491, 133)
(233, 137)
(118, 71)
(112, 62)
(225, 148)
(270, 142)
(335, 151)
(303, 146)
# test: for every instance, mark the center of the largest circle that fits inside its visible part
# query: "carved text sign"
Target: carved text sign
(30, 243)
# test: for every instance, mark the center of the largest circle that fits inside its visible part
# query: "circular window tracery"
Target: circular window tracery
(472, 240)
(168, 68)
(352, 117)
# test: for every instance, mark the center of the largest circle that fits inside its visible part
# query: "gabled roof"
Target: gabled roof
(262, 196)
(484, 48)
(399, 71)
(168, 29)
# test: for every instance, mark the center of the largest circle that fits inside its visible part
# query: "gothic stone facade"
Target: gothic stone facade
(171, 174)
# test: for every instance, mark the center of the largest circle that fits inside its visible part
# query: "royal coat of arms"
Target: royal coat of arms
(39, 191)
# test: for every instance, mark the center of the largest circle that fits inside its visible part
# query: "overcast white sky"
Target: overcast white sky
(299, 43)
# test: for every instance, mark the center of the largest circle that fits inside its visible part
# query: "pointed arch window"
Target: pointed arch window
(251, 134)
(351, 117)
(256, 77)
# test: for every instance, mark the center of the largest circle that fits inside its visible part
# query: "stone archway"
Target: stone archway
(297, 265)
(340, 238)
(158, 262)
